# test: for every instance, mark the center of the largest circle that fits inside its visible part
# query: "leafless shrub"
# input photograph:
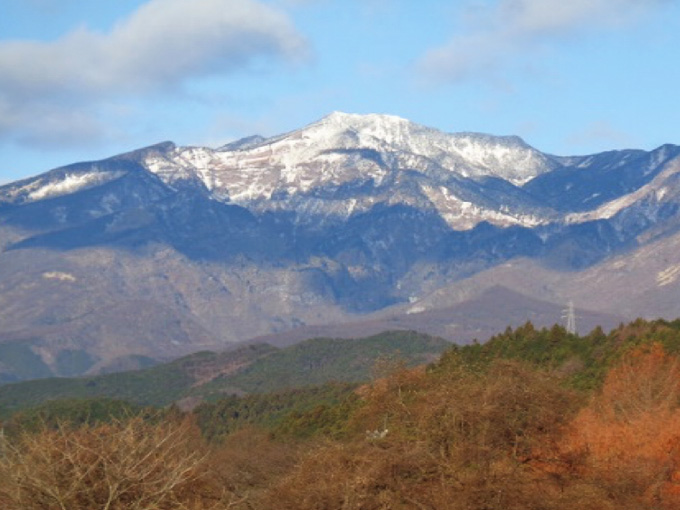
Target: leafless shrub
(132, 465)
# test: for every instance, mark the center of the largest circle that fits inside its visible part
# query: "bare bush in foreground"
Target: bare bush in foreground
(132, 465)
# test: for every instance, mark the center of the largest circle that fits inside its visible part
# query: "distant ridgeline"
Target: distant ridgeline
(250, 369)
(263, 372)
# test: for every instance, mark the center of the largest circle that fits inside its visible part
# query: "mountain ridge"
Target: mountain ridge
(344, 221)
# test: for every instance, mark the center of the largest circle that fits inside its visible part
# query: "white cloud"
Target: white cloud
(494, 35)
(160, 47)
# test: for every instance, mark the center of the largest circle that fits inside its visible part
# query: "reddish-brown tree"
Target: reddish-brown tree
(627, 440)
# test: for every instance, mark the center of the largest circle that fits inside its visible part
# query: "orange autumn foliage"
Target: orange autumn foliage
(457, 439)
(627, 440)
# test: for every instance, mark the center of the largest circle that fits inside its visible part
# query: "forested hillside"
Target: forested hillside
(531, 419)
(252, 368)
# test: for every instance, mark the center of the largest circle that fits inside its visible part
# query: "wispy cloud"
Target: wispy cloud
(50, 91)
(495, 36)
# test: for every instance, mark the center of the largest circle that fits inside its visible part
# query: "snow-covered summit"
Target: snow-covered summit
(344, 147)
(401, 161)
(468, 154)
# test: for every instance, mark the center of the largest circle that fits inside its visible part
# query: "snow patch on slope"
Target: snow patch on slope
(668, 275)
(59, 276)
(464, 215)
(654, 192)
(70, 183)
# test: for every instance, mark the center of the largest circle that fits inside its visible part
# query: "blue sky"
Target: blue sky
(84, 80)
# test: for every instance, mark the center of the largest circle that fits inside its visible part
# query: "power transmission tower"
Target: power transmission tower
(570, 317)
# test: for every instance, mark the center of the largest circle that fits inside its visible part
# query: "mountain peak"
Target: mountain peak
(373, 122)
(366, 128)
(344, 150)
(343, 118)
(467, 153)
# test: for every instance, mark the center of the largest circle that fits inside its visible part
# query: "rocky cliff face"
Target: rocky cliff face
(170, 249)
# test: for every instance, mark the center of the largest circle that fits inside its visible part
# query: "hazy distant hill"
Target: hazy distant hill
(249, 369)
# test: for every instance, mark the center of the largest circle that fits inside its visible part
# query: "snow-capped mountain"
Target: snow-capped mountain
(349, 217)
(345, 164)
